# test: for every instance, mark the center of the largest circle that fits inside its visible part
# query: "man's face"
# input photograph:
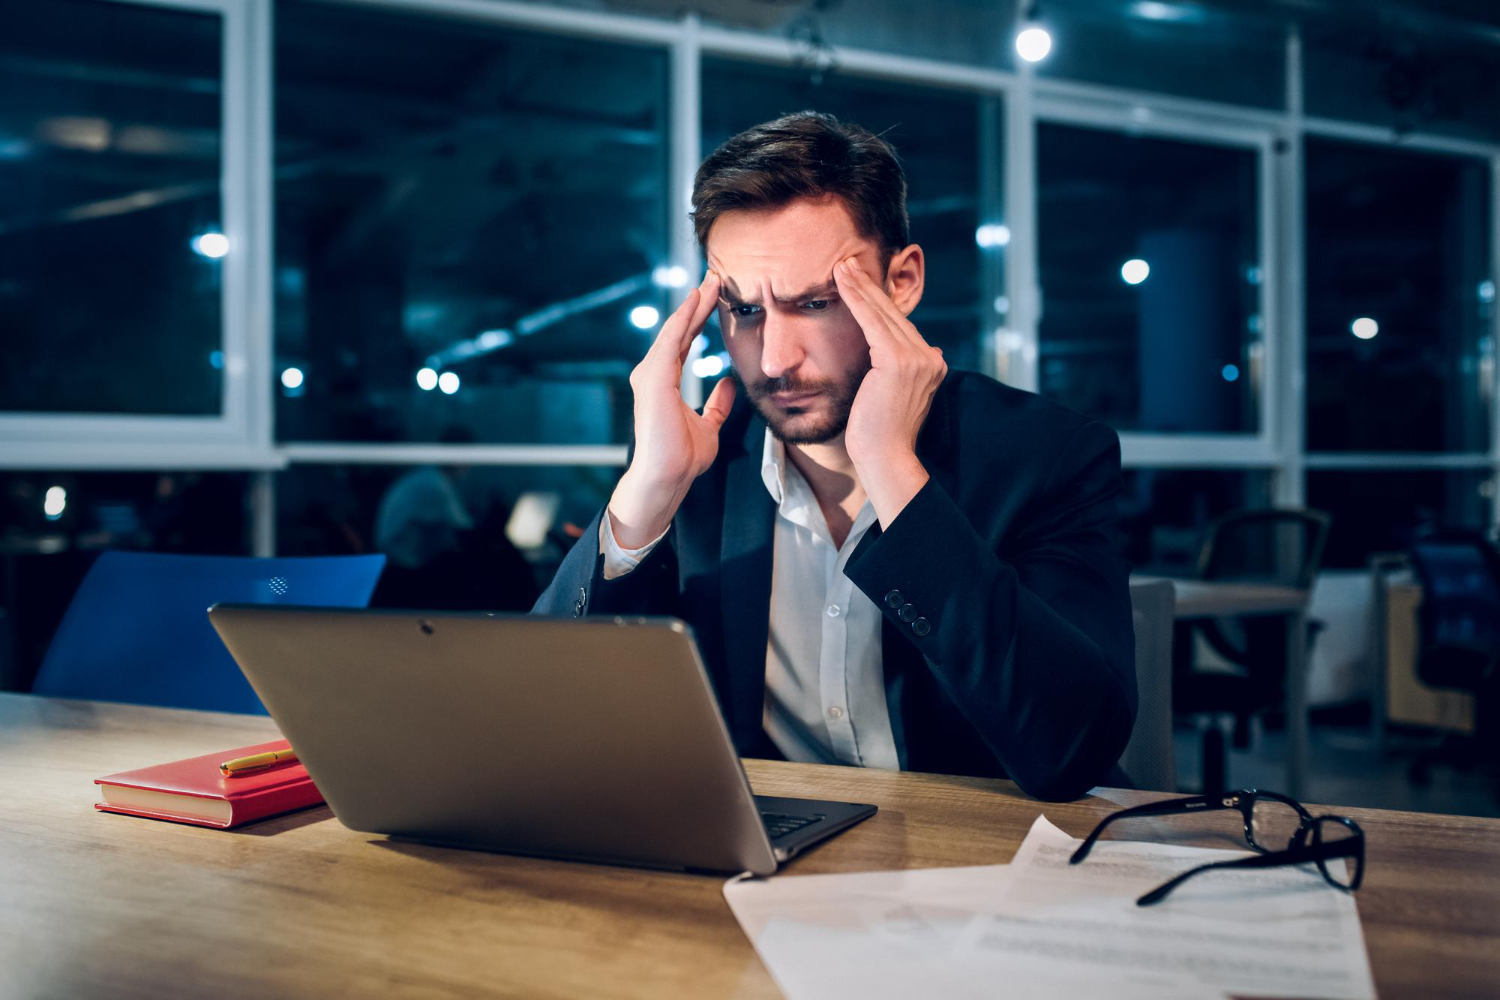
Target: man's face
(796, 350)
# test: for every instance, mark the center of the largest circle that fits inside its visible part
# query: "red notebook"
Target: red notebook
(195, 791)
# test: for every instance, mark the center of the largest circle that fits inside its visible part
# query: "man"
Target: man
(885, 564)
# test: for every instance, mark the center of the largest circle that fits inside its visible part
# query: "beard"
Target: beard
(804, 424)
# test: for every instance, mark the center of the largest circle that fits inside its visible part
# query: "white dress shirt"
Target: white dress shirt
(825, 675)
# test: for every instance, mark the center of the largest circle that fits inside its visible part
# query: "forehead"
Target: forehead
(787, 248)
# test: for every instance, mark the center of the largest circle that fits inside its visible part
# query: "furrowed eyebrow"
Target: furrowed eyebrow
(827, 290)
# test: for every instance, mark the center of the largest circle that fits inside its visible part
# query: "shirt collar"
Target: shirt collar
(773, 467)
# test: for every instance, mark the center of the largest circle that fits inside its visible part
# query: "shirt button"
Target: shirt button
(907, 612)
(894, 599)
(834, 611)
(835, 712)
(921, 626)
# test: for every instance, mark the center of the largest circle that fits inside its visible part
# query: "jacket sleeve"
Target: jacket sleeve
(1035, 648)
(579, 587)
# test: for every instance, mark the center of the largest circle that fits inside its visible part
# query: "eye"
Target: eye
(816, 305)
(744, 311)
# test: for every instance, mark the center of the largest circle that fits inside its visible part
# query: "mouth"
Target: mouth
(786, 399)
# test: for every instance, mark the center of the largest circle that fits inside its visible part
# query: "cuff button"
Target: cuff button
(921, 626)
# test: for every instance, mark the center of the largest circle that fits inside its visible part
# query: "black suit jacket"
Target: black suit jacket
(1019, 658)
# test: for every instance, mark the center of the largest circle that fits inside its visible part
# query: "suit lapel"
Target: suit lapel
(745, 567)
(935, 440)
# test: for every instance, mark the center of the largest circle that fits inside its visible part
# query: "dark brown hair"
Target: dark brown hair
(807, 154)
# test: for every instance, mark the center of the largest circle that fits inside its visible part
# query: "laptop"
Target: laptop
(594, 739)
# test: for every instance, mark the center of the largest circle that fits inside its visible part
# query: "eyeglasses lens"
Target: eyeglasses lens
(1273, 825)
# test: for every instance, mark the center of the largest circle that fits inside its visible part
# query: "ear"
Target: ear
(905, 278)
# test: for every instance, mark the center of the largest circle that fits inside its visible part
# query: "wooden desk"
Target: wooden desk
(98, 905)
(1199, 599)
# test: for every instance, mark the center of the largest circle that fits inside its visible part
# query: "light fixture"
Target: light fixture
(1033, 41)
(1486, 291)
(54, 502)
(448, 382)
(1364, 328)
(292, 378)
(644, 317)
(670, 276)
(211, 245)
(1231, 373)
(1154, 10)
(709, 366)
(427, 379)
(1033, 44)
(992, 234)
(1135, 271)
(492, 340)
(216, 359)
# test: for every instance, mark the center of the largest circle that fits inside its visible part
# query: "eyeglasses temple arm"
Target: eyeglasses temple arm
(1167, 807)
(1292, 856)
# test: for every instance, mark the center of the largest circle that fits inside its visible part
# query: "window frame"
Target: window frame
(1107, 114)
(242, 436)
(239, 436)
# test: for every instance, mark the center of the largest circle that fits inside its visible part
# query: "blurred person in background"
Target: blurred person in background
(440, 555)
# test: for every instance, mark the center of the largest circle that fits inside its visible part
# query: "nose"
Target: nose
(781, 348)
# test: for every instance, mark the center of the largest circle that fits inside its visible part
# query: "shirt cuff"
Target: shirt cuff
(618, 561)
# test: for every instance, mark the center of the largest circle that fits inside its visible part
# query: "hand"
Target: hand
(894, 398)
(673, 444)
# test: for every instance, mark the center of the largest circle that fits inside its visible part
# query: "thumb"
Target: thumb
(716, 410)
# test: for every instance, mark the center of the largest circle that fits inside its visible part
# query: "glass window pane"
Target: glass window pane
(1399, 300)
(1404, 76)
(939, 136)
(483, 203)
(1192, 50)
(1382, 511)
(1148, 255)
(110, 210)
(456, 535)
(1165, 513)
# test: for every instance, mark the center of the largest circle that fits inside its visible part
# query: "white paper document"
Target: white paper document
(1041, 928)
(1280, 932)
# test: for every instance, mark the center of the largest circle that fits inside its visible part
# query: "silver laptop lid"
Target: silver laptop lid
(595, 739)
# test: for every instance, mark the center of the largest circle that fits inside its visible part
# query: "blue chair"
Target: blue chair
(137, 629)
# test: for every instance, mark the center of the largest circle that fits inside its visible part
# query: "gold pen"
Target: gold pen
(257, 761)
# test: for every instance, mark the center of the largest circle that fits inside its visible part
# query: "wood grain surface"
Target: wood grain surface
(93, 904)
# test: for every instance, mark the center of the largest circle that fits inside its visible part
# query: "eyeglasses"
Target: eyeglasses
(1278, 827)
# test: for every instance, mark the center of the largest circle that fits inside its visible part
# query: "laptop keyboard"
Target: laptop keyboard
(778, 825)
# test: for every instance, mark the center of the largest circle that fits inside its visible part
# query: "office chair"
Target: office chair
(1275, 546)
(1149, 759)
(1458, 625)
(137, 630)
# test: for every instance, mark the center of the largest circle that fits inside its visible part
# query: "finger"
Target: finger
(720, 402)
(877, 329)
(708, 301)
(901, 328)
(671, 330)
